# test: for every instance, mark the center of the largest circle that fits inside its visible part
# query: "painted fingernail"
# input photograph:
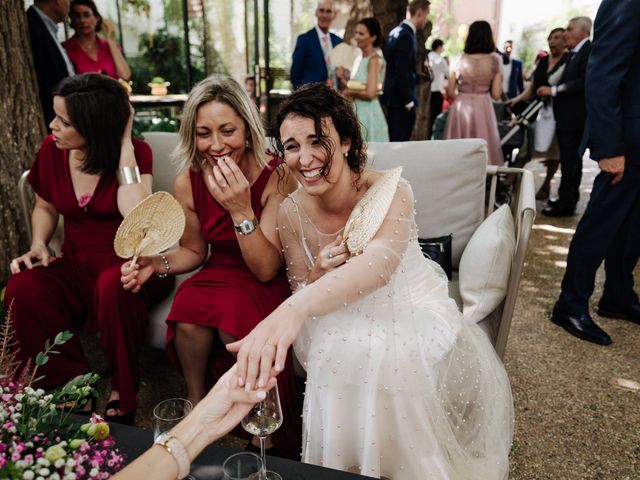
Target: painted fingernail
(247, 386)
(261, 394)
(240, 381)
(278, 367)
(260, 383)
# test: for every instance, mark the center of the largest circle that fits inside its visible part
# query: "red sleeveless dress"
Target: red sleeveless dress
(225, 295)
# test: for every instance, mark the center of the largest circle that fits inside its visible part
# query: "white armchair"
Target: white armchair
(449, 184)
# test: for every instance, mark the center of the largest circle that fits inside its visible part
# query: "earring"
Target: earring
(247, 144)
(346, 154)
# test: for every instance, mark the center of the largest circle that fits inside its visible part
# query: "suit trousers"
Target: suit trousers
(435, 108)
(400, 121)
(570, 168)
(609, 230)
(67, 295)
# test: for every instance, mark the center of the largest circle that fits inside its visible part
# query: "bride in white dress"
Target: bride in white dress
(398, 385)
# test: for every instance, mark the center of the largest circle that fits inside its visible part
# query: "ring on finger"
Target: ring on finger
(329, 255)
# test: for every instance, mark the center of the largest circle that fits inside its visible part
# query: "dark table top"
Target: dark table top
(134, 441)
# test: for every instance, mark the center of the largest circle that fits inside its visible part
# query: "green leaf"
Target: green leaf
(47, 344)
(41, 358)
(63, 337)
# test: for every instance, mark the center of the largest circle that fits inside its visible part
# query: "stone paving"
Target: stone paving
(577, 404)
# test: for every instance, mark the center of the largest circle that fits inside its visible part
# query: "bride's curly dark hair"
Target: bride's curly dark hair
(318, 101)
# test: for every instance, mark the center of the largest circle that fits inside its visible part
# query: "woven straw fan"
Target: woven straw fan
(153, 225)
(367, 216)
(343, 55)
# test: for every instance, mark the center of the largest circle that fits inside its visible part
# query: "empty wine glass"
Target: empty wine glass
(242, 466)
(167, 414)
(263, 419)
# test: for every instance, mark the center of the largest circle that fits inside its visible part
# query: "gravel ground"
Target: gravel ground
(573, 419)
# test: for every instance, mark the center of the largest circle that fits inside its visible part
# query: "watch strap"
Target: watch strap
(175, 448)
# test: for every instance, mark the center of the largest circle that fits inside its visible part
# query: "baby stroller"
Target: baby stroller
(516, 132)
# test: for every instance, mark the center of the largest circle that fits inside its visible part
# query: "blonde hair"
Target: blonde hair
(220, 88)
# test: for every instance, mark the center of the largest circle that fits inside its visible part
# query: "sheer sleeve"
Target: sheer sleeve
(298, 261)
(361, 274)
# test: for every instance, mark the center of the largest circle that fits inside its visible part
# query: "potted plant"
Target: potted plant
(158, 86)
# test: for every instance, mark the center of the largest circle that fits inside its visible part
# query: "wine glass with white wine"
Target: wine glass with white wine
(263, 419)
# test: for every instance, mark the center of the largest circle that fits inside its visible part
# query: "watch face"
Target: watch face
(161, 438)
(246, 227)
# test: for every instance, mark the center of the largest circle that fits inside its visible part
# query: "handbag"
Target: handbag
(544, 129)
(438, 250)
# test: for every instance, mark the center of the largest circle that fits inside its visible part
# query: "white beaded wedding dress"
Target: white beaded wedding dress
(398, 385)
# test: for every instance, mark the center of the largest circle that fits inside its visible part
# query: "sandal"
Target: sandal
(126, 419)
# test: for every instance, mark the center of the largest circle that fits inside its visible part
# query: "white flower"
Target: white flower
(55, 476)
(43, 461)
(44, 472)
(40, 392)
(59, 463)
(70, 476)
(28, 475)
(71, 463)
(93, 472)
(18, 406)
(19, 397)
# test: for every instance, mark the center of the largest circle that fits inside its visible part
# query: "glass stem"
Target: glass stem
(263, 456)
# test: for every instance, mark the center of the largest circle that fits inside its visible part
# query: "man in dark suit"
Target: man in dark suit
(570, 111)
(512, 81)
(400, 80)
(49, 58)
(311, 61)
(610, 227)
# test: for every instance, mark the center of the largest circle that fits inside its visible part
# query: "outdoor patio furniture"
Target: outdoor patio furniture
(449, 183)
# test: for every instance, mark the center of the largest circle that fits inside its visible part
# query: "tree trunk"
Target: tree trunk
(359, 9)
(22, 126)
(424, 86)
(389, 13)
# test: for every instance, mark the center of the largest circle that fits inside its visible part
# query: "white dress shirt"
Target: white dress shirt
(440, 71)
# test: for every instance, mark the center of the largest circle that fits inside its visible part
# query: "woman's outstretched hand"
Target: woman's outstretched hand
(227, 404)
(134, 277)
(38, 252)
(261, 355)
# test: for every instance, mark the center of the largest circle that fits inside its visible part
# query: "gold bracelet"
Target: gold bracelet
(128, 175)
(166, 268)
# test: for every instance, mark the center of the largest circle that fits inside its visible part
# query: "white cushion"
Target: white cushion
(448, 181)
(486, 264)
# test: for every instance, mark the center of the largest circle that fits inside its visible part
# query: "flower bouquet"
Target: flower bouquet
(37, 440)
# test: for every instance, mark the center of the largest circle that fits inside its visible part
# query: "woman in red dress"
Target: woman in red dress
(87, 51)
(230, 189)
(90, 171)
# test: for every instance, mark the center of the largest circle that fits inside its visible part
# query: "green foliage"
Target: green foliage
(163, 58)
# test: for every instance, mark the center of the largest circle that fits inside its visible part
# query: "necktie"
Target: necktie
(326, 49)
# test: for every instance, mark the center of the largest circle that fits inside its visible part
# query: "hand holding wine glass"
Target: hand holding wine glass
(263, 419)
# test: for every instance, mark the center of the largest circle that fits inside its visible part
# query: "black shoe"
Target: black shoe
(557, 211)
(126, 419)
(581, 325)
(552, 201)
(631, 313)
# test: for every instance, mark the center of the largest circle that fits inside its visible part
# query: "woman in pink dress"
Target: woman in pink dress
(230, 189)
(90, 171)
(87, 51)
(474, 79)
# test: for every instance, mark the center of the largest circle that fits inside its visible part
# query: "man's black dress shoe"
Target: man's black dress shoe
(581, 325)
(552, 201)
(557, 211)
(631, 313)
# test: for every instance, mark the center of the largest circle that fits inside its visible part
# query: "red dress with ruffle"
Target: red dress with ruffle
(225, 295)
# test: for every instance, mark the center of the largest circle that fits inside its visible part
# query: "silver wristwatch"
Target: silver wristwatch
(246, 227)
